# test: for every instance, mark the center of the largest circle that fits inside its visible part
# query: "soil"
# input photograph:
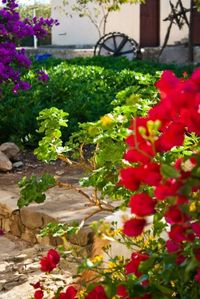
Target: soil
(32, 166)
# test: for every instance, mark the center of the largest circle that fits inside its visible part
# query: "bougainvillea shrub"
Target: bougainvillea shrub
(13, 29)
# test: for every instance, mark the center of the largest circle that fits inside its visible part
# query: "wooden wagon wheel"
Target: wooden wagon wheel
(117, 44)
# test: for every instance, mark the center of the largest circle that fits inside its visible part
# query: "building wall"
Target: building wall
(74, 30)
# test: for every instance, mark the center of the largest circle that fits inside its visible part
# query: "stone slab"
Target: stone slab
(61, 205)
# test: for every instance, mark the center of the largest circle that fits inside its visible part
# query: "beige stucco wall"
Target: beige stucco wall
(80, 31)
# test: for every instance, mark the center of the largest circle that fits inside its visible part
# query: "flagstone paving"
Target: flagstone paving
(19, 267)
(21, 248)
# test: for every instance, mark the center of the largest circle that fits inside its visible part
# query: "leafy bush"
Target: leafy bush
(84, 88)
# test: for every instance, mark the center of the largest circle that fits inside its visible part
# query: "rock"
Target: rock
(5, 164)
(16, 226)
(18, 164)
(20, 258)
(29, 236)
(31, 219)
(11, 150)
(60, 172)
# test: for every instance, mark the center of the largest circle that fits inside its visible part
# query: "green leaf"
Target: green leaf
(169, 171)
(32, 189)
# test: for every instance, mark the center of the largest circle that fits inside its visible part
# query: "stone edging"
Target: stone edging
(27, 223)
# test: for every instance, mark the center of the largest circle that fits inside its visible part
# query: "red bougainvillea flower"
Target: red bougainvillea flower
(37, 285)
(197, 254)
(196, 228)
(150, 174)
(172, 246)
(1, 232)
(167, 189)
(180, 233)
(180, 259)
(168, 82)
(146, 296)
(175, 215)
(38, 294)
(54, 256)
(197, 276)
(49, 262)
(129, 178)
(121, 291)
(46, 265)
(133, 265)
(143, 154)
(191, 119)
(134, 227)
(70, 293)
(172, 136)
(142, 204)
(135, 126)
(195, 77)
(181, 199)
(97, 293)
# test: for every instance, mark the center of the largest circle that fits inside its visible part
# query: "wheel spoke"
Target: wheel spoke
(107, 48)
(115, 44)
(121, 45)
(127, 52)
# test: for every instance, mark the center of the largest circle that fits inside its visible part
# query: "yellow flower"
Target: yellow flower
(81, 294)
(106, 120)
(97, 259)
(193, 207)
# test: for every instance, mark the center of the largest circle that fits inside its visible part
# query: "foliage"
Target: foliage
(87, 88)
(85, 92)
(50, 122)
(33, 188)
(161, 173)
(94, 143)
(105, 139)
(42, 10)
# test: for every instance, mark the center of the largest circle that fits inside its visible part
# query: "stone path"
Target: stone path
(19, 268)
(19, 259)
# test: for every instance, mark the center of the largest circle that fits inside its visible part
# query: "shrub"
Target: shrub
(83, 87)
(85, 92)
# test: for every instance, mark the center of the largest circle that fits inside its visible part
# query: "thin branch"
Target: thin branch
(70, 186)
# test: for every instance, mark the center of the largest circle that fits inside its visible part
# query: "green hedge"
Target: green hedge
(84, 88)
